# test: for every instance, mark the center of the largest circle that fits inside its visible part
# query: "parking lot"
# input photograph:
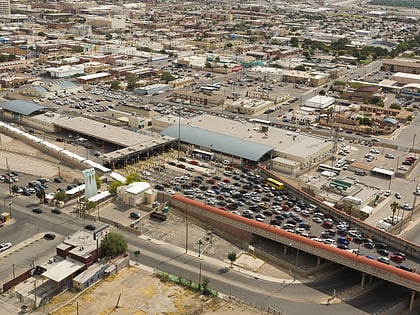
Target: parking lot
(247, 194)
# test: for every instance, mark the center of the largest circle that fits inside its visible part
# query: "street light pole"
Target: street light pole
(199, 247)
(186, 229)
(10, 209)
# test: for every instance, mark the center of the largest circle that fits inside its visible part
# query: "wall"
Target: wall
(373, 232)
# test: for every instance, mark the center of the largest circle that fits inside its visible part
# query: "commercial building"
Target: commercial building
(5, 7)
(153, 89)
(406, 78)
(247, 143)
(406, 65)
(65, 71)
(249, 106)
(320, 102)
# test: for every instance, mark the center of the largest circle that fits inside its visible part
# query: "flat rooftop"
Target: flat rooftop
(102, 131)
(296, 144)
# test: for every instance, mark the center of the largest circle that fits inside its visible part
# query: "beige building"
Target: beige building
(5, 7)
(249, 106)
(135, 194)
(105, 22)
(182, 82)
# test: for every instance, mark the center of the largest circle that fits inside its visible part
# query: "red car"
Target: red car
(397, 258)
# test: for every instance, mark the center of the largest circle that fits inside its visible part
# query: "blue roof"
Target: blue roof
(218, 142)
(391, 121)
(40, 88)
(23, 107)
(66, 84)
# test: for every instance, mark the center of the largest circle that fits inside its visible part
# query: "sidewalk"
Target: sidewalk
(240, 265)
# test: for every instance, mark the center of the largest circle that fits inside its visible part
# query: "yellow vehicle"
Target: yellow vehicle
(274, 183)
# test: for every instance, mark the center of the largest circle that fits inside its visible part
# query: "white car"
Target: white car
(5, 246)
(387, 193)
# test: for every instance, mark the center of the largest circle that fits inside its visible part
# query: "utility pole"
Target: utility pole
(186, 229)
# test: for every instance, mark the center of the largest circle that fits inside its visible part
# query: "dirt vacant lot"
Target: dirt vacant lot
(139, 293)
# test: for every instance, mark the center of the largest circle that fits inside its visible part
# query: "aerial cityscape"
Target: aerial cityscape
(197, 157)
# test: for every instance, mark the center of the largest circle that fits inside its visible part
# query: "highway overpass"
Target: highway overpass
(244, 228)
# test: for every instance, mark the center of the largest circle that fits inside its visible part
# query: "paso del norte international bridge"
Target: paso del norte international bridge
(248, 229)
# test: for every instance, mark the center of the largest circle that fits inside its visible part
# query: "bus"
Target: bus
(201, 154)
(324, 167)
(207, 89)
(261, 121)
(274, 183)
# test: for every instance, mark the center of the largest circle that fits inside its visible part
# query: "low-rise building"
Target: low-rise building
(249, 106)
(135, 194)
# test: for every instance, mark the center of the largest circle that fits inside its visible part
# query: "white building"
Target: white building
(65, 71)
(320, 101)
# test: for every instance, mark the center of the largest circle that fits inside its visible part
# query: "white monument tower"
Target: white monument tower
(90, 183)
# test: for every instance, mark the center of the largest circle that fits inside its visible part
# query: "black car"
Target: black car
(159, 187)
(342, 246)
(37, 210)
(381, 245)
(369, 245)
(381, 251)
(49, 236)
(90, 227)
(135, 215)
(406, 268)
(56, 211)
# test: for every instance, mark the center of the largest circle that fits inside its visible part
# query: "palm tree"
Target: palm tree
(232, 257)
(394, 207)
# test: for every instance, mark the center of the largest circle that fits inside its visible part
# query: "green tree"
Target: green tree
(205, 285)
(294, 42)
(112, 188)
(394, 207)
(40, 194)
(232, 257)
(167, 77)
(113, 245)
(131, 82)
(300, 68)
(208, 65)
(90, 205)
(115, 85)
(395, 106)
(77, 49)
(339, 82)
(60, 195)
(133, 177)
(322, 92)
(42, 34)
(98, 181)
(15, 189)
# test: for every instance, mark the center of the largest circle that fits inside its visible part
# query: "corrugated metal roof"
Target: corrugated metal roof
(22, 107)
(391, 120)
(218, 142)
